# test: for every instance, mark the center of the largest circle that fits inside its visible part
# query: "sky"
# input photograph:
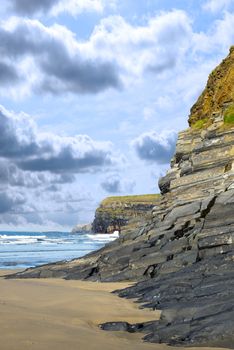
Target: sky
(93, 94)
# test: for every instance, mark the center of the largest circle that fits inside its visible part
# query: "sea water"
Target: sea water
(27, 249)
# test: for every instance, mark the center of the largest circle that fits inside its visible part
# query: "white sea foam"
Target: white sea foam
(105, 237)
(20, 237)
(23, 239)
(33, 249)
(5, 239)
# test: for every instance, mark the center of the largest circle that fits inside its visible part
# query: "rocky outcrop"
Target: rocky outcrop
(115, 213)
(183, 256)
(217, 94)
(87, 228)
(196, 303)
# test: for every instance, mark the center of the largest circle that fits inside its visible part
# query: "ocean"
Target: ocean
(27, 249)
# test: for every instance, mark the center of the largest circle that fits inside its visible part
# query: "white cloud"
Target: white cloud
(22, 142)
(218, 38)
(114, 183)
(56, 7)
(116, 53)
(9, 200)
(216, 6)
(154, 147)
(76, 7)
(156, 46)
(51, 59)
(38, 171)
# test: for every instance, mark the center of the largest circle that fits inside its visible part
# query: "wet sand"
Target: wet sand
(55, 314)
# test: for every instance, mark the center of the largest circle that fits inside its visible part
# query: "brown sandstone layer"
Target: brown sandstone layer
(218, 92)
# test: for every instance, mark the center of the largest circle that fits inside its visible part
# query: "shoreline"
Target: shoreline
(22, 250)
(43, 314)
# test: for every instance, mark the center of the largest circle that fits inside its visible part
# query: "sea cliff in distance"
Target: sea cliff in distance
(117, 213)
(120, 213)
(183, 254)
(85, 228)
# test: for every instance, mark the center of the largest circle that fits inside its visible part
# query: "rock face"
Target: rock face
(183, 256)
(87, 228)
(218, 92)
(114, 213)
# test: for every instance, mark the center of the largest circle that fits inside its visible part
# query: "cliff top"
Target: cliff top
(118, 212)
(146, 198)
(218, 94)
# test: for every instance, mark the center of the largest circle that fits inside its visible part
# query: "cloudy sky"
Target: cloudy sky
(93, 93)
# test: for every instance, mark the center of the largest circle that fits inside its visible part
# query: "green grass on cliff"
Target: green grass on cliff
(116, 206)
(229, 115)
(200, 124)
(146, 198)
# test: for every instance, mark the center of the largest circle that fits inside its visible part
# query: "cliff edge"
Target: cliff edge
(115, 213)
(218, 94)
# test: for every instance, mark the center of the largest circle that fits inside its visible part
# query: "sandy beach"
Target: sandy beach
(64, 315)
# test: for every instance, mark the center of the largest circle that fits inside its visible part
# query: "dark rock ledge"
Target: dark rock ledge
(197, 305)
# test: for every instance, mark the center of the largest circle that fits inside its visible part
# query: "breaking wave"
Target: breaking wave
(27, 249)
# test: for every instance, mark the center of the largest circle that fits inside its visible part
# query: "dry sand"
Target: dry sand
(64, 315)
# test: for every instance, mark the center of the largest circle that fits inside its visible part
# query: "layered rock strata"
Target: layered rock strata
(179, 232)
(183, 256)
(115, 213)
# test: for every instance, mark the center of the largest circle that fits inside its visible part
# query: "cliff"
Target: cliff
(218, 94)
(115, 213)
(183, 255)
(87, 228)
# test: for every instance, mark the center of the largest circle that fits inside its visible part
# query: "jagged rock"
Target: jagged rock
(196, 303)
(117, 326)
(183, 255)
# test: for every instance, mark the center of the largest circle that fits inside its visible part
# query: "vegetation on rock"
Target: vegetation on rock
(144, 198)
(200, 124)
(116, 212)
(229, 115)
(218, 92)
